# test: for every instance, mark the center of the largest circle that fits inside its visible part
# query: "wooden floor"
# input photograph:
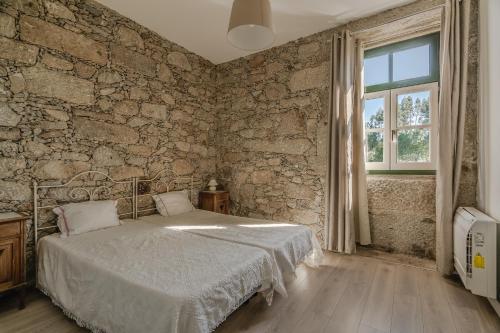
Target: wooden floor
(347, 294)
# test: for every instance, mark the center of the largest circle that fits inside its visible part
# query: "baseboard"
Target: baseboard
(496, 305)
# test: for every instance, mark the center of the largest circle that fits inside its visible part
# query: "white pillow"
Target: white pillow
(77, 218)
(173, 203)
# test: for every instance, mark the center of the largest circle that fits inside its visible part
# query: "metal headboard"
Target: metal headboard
(158, 184)
(79, 189)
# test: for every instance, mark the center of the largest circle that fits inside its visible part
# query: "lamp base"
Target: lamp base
(212, 188)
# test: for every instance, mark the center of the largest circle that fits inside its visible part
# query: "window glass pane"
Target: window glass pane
(414, 145)
(374, 147)
(411, 63)
(374, 113)
(376, 70)
(413, 109)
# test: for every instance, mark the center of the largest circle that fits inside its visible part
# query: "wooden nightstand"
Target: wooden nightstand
(215, 201)
(12, 254)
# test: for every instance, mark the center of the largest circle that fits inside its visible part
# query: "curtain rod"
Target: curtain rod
(392, 21)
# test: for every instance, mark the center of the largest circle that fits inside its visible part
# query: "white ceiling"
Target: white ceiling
(201, 25)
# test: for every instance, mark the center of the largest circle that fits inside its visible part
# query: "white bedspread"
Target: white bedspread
(141, 277)
(288, 244)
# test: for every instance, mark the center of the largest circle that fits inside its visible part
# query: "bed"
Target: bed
(139, 276)
(288, 244)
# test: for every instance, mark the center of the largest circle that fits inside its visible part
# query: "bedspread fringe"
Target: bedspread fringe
(70, 315)
(95, 329)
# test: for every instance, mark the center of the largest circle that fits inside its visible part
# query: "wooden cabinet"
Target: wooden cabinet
(12, 268)
(215, 201)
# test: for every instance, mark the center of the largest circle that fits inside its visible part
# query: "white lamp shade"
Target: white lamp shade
(212, 182)
(250, 26)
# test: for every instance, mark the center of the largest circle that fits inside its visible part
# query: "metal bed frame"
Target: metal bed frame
(79, 190)
(155, 185)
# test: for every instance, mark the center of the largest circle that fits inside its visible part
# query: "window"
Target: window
(400, 105)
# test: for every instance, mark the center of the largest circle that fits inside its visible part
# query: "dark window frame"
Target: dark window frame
(432, 39)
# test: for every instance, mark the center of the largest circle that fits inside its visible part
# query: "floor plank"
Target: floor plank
(407, 309)
(348, 312)
(348, 294)
(378, 308)
(464, 308)
(436, 313)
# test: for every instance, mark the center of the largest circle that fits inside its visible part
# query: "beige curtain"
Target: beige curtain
(452, 102)
(347, 207)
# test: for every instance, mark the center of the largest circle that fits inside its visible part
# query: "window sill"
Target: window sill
(401, 172)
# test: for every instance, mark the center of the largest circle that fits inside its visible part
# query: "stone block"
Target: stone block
(15, 191)
(17, 83)
(415, 194)
(30, 7)
(299, 191)
(156, 111)
(84, 71)
(37, 149)
(310, 78)
(8, 148)
(58, 10)
(101, 131)
(109, 77)
(139, 93)
(39, 32)
(275, 91)
(126, 172)
(47, 83)
(57, 114)
(182, 146)
(57, 169)
(9, 166)
(7, 116)
(283, 146)
(290, 123)
(56, 62)
(167, 98)
(126, 108)
(18, 51)
(262, 177)
(140, 150)
(74, 156)
(179, 60)
(7, 25)
(129, 37)
(164, 73)
(138, 62)
(105, 156)
(10, 133)
(308, 50)
(305, 217)
(182, 167)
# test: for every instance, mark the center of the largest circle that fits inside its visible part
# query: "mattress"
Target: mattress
(288, 244)
(141, 277)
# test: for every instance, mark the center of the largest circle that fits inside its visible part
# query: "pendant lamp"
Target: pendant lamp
(250, 26)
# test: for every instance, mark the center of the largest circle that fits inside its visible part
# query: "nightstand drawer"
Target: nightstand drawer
(221, 196)
(11, 229)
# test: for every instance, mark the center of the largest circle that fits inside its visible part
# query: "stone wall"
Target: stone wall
(82, 88)
(272, 116)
